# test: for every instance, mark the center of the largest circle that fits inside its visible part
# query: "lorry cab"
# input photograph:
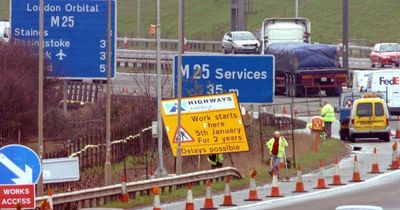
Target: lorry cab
(369, 118)
(285, 30)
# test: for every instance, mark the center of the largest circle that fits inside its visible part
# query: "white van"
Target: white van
(4, 31)
(388, 83)
(360, 80)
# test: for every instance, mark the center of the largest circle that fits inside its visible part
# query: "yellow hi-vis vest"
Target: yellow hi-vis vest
(218, 159)
(282, 144)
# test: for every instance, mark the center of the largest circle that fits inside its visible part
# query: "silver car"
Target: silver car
(240, 42)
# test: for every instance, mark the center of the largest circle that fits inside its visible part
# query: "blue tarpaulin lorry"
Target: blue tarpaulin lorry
(302, 68)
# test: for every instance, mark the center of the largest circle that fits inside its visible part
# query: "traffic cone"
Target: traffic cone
(50, 199)
(356, 171)
(395, 163)
(189, 198)
(156, 204)
(321, 179)
(253, 187)
(299, 181)
(398, 128)
(281, 164)
(284, 109)
(208, 203)
(336, 175)
(274, 187)
(227, 195)
(124, 192)
(151, 176)
(375, 165)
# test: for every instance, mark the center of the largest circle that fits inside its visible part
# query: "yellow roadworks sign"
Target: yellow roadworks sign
(210, 124)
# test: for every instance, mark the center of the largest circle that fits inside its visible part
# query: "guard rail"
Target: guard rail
(98, 196)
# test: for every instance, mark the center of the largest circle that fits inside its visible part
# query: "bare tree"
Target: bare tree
(19, 89)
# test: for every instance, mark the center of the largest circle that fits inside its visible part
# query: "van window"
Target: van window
(379, 109)
(364, 110)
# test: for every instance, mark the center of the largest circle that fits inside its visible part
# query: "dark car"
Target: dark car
(385, 54)
(240, 42)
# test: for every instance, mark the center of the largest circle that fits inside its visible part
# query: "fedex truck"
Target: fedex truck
(388, 83)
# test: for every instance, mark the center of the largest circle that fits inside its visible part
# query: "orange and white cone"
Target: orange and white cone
(208, 203)
(299, 181)
(50, 199)
(227, 196)
(356, 171)
(321, 184)
(156, 204)
(124, 192)
(189, 198)
(284, 109)
(281, 164)
(398, 128)
(336, 175)
(395, 163)
(375, 165)
(274, 186)
(253, 196)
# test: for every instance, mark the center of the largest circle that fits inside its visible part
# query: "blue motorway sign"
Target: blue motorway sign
(75, 35)
(250, 76)
(19, 165)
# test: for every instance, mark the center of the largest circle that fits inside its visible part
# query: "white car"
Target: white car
(240, 42)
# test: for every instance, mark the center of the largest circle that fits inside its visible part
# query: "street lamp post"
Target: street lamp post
(178, 167)
(160, 171)
(107, 166)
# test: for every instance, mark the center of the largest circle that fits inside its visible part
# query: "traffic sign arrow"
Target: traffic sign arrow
(24, 177)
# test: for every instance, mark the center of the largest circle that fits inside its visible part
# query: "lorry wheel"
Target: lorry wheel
(279, 91)
(331, 92)
(343, 135)
(299, 91)
(352, 138)
(386, 137)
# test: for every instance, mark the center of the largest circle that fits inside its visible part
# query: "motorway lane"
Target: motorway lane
(380, 191)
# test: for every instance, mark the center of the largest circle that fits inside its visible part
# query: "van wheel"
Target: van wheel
(372, 65)
(352, 139)
(397, 64)
(233, 50)
(386, 137)
(344, 136)
(224, 50)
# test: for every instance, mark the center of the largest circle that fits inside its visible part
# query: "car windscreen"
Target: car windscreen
(349, 98)
(390, 47)
(364, 110)
(243, 36)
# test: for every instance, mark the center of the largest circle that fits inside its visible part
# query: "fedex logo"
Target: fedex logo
(393, 81)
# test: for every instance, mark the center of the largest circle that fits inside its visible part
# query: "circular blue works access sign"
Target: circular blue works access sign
(19, 165)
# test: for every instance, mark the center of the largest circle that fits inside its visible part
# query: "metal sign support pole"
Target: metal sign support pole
(40, 102)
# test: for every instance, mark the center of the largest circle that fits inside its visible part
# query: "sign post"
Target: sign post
(317, 126)
(250, 77)
(20, 170)
(75, 35)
